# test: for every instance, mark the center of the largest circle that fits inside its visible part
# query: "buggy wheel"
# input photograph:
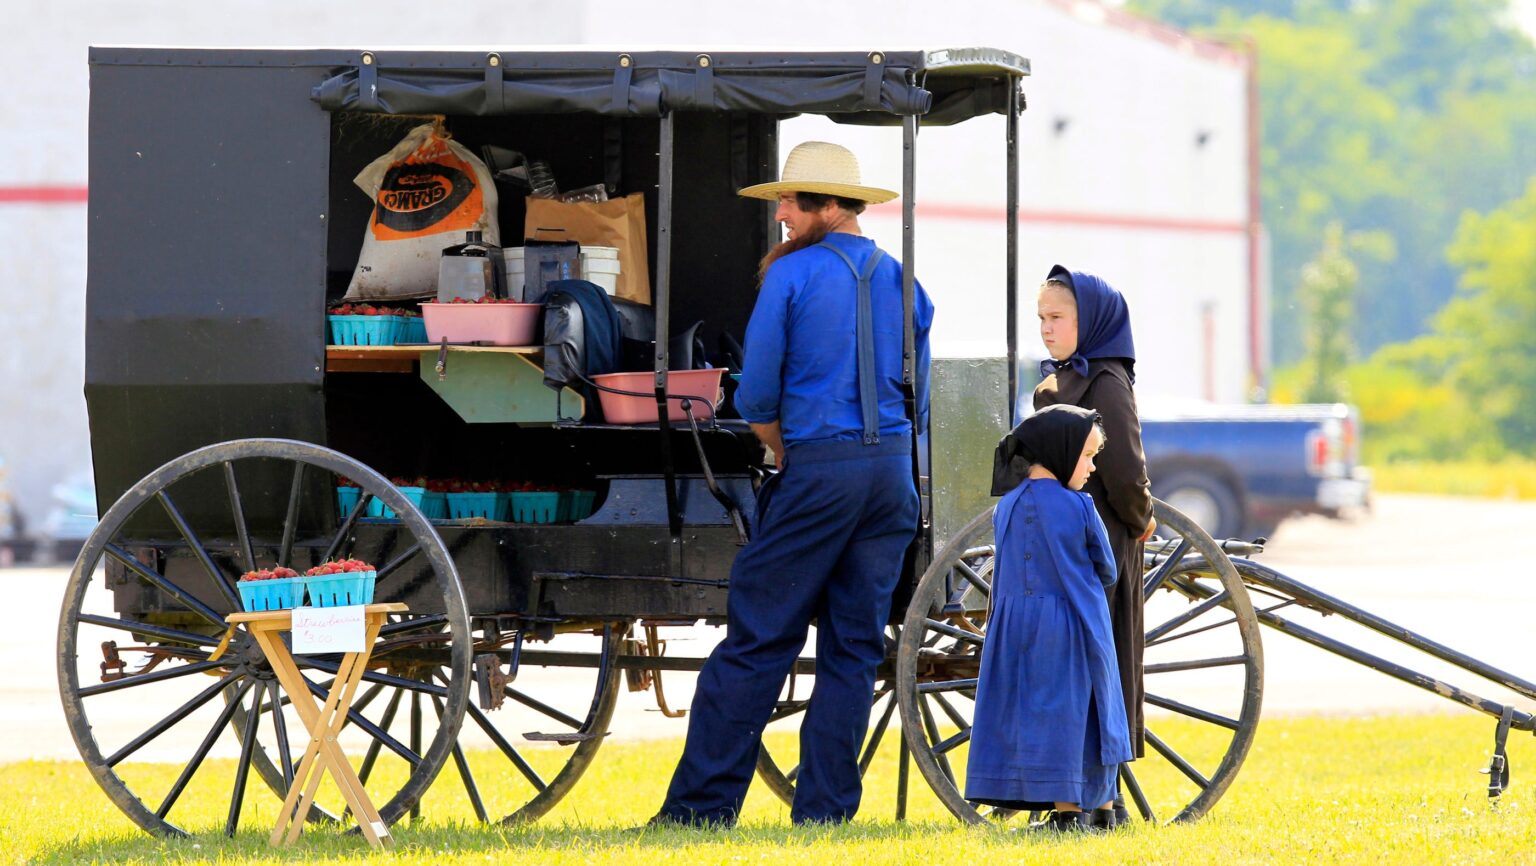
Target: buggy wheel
(789, 712)
(159, 571)
(1203, 670)
(513, 763)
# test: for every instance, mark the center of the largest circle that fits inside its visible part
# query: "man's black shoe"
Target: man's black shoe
(668, 821)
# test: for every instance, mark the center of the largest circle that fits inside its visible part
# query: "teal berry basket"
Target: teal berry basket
(346, 499)
(540, 507)
(340, 590)
(377, 508)
(465, 506)
(434, 505)
(363, 330)
(576, 504)
(413, 329)
(280, 593)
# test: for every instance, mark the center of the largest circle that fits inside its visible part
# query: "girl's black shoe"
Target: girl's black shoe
(1107, 819)
(1122, 815)
(1063, 822)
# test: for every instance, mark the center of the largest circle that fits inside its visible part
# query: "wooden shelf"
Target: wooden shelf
(401, 359)
(483, 384)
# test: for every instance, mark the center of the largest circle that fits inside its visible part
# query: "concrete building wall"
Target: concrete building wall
(1133, 165)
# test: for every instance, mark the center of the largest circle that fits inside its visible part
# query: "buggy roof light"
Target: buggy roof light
(975, 61)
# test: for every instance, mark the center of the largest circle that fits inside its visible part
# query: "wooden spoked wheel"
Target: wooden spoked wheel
(1203, 670)
(516, 760)
(779, 771)
(139, 642)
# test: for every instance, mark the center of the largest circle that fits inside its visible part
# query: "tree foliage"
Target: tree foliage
(1391, 117)
(1490, 325)
(1467, 388)
(1328, 299)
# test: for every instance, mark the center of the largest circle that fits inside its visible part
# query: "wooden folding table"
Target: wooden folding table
(323, 722)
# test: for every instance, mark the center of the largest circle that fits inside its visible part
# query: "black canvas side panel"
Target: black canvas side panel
(206, 262)
(137, 428)
(721, 235)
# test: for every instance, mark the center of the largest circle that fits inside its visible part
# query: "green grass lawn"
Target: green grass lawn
(1390, 790)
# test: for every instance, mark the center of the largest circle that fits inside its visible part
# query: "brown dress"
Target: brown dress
(1123, 496)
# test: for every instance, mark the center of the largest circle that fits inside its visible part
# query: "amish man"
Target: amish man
(822, 388)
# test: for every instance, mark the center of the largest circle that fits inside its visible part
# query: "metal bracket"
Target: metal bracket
(492, 680)
(640, 679)
(1497, 770)
(114, 668)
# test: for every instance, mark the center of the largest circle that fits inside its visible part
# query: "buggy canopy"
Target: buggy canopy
(872, 87)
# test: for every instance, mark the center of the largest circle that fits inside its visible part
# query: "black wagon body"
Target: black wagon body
(224, 219)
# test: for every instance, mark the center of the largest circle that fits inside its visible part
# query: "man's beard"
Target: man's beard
(809, 238)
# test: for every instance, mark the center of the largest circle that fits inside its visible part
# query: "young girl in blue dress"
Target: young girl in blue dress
(1050, 729)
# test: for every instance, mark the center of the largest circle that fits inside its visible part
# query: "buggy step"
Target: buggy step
(566, 738)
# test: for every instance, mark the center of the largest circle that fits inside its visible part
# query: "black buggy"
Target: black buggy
(222, 223)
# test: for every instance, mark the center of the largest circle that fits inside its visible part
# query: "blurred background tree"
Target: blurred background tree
(1489, 328)
(1326, 296)
(1410, 125)
(1392, 117)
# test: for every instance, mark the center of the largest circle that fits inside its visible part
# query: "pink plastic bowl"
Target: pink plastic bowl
(497, 324)
(702, 385)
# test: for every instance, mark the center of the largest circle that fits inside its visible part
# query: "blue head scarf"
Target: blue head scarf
(1103, 324)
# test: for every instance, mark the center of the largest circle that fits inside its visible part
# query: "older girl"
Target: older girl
(1086, 327)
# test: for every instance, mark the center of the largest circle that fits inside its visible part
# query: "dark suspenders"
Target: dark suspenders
(864, 333)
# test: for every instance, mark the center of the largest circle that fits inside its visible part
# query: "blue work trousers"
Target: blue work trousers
(833, 527)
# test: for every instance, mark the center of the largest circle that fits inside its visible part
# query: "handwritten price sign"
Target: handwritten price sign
(328, 629)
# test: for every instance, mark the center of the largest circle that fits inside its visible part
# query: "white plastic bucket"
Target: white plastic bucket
(598, 264)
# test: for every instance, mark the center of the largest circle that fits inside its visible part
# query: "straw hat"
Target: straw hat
(820, 167)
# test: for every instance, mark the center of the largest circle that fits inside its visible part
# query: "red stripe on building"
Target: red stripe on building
(991, 214)
(42, 195)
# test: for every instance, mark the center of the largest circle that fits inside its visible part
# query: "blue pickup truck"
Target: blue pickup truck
(1239, 470)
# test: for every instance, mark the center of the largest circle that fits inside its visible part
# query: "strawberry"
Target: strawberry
(344, 566)
(483, 299)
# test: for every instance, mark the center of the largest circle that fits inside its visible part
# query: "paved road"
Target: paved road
(1455, 569)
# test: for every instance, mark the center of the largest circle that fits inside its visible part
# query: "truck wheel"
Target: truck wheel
(1206, 499)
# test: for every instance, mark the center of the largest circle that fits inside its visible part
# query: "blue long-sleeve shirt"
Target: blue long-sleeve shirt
(801, 365)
